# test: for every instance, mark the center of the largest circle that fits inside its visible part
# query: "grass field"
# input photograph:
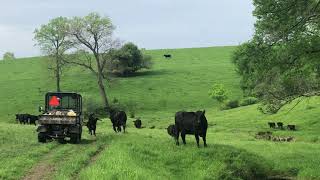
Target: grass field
(154, 95)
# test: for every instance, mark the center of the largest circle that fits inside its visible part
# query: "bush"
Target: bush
(127, 60)
(218, 92)
(248, 101)
(230, 104)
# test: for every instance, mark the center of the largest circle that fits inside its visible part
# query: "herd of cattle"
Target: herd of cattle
(194, 123)
(26, 118)
(191, 123)
(279, 125)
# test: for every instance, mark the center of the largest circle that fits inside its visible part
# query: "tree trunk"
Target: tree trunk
(58, 74)
(100, 82)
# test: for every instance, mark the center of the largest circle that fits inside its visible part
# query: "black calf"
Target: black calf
(272, 124)
(291, 127)
(138, 123)
(280, 125)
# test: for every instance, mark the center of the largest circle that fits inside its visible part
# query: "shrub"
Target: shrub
(248, 101)
(218, 92)
(127, 60)
(230, 104)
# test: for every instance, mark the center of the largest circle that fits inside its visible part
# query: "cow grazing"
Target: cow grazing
(291, 127)
(167, 56)
(172, 130)
(92, 124)
(118, 119)
(191, 123)
(138, 123)
(280, 125)
(272, 124)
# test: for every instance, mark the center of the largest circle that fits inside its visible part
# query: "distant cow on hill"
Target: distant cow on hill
(272, 124)
(92, 124)
(118, 119)
(280, 125)
(167, 56)
(191, 123)
(138, 123)
(291, 127)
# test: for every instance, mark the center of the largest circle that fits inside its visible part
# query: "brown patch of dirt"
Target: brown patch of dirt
(42, 170)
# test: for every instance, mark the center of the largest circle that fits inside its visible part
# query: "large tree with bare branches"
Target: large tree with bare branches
(92, 38)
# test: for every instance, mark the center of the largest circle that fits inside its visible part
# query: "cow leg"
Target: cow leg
(183, 137)
(124, 128)
(177, 139)
(114, 128)
(204, 139)
(197, 139)
(119, 128)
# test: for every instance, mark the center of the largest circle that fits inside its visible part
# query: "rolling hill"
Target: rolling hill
(179, 83)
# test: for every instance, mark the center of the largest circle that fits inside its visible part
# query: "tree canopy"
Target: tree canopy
(281, 62)
(8, 56)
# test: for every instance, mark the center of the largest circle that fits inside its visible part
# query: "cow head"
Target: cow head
(200, 117)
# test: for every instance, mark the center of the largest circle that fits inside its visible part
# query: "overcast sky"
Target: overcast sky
(151, 24)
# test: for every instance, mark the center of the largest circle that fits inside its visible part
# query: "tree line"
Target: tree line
(281, 62)
(88, 42)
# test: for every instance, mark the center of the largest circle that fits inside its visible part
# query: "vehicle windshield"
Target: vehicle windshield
(60, 102)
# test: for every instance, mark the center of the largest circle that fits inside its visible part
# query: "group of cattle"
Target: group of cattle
(27, 118)
(194, 123)
(118, 119)
(279, 125)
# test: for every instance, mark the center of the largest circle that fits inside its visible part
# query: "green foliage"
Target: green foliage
(127, 60)
(218, 92)
(248, 101)
(281, 62)
(230, 104)
(8, 56)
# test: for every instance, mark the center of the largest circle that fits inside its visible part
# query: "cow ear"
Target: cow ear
(204, 111)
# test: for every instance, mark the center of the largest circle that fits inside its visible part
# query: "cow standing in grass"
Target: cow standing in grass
(118, 119)
(92, 124)
(32, 119)
(191, 123)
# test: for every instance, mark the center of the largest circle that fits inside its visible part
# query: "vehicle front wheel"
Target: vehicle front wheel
(42, 138)
(75, 138)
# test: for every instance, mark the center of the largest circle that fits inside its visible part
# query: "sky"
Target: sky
(151, 24)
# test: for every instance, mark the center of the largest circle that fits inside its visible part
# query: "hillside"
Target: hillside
(154, 95)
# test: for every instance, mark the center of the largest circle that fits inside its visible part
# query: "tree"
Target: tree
(92, 36)
(281, 62)
(127, 60)
(53, 41)
(8, 56)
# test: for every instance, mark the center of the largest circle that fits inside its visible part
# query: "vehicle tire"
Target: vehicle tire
(75, 138)
(42, 138)
(61, 141)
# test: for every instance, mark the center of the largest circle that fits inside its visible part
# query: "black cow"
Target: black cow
(32, 119)
(137, 123)
(23, 118)
(272, 124)
(280, 125)
(118, 119)
(291, 127)
(191, 123)
(172, 130)
(167, 55)
(92, 124)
